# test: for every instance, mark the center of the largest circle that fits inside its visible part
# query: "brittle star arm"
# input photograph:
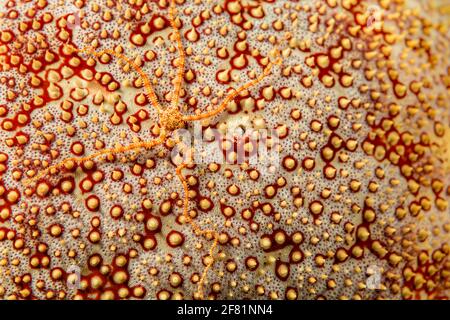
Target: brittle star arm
(196, 228)
(209, 265)
(147, 84)
(78, 160)
(230, 97)
(181, 58)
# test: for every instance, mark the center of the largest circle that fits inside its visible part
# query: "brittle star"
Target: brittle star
(170, 119)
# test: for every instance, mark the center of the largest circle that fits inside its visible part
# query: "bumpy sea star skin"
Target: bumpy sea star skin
(97, 203)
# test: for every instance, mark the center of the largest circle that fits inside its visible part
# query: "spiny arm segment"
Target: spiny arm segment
(196, 228)
(232, 95)
(183, 181)
(79, 160)
(181, 58)
(147, 83)
(210, 263)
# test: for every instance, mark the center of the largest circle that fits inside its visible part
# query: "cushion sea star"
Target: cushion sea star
(104, 196)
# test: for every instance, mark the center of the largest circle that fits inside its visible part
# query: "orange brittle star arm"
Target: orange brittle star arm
(196, 228)
(231, 96)
(181, 58)
(147, 84)
(78, 160)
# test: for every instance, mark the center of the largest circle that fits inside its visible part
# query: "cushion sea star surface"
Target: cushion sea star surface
(224, 149)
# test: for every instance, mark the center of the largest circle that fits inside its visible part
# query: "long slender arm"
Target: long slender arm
(147, 84)
(196, 228)
(230, 97)
(181, 58)
(78, 160)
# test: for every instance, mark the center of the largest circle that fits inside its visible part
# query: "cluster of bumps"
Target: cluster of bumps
(355, 207)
